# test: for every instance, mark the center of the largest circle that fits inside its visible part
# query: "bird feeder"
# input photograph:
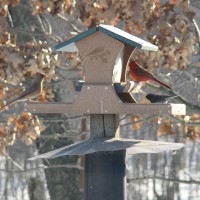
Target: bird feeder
(105, 51)
(104, 94)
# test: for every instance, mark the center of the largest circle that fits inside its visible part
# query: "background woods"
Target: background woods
(28, 31)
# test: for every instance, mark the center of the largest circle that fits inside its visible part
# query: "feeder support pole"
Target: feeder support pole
(104, 176)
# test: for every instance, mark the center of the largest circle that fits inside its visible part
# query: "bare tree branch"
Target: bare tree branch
(10, 18)
(72, 25)
(73, 166)
(191, 181)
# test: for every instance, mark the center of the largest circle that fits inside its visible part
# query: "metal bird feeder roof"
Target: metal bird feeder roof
(118, 34)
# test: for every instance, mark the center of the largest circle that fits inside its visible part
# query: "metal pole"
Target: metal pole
(105, 177)
(104, 172)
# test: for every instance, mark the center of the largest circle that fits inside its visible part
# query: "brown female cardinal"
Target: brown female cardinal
(30, 93)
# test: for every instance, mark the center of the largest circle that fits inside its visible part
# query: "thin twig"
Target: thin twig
(74, 166)
(196, 28)
(55, 38)
(121, 119)
(138, 121)
(16, 164)
(10, 18)
(72, 25)
(164, 179)
(25, 32)
(58, 135)
(48, 23)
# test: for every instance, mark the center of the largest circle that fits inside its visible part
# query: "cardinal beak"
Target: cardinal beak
(44, 76)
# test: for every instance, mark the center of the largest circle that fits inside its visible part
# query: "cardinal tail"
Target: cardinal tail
(9, 104)
(161, 83)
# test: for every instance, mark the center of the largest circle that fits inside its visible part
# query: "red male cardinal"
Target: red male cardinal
(30, 93)
(139, 74)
